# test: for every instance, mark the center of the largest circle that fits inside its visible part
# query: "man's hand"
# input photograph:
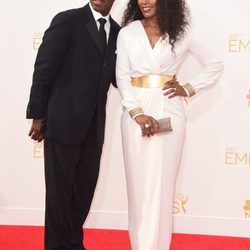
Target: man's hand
(148, 124)
(36, 130)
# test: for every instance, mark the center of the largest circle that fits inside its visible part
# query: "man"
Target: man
(73, 71)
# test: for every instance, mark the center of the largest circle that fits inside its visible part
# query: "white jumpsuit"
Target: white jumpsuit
(151, 164)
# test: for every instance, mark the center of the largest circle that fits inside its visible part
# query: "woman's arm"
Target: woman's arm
(123, 80)
(212, 66)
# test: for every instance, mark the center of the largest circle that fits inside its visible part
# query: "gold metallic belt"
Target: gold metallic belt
(151, 81)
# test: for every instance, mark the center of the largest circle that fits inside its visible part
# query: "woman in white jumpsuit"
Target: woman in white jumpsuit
(152, 162)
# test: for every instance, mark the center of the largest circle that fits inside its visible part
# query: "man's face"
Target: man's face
(102, 6)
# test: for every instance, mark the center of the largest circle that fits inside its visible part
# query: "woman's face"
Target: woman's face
(147, 7)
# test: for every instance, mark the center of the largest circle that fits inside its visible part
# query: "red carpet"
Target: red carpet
(31, 238)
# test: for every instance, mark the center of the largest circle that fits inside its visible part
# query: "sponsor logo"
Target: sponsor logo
(37, 40)
(247, 209)
(248, 98)
(238, 43)
(179, 205)
(234, 157)
(38, 150)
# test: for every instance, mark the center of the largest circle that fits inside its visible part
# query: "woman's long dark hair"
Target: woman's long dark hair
(172, 16)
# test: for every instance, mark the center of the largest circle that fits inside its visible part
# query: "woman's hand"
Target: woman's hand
(174, 89)
(149, 126)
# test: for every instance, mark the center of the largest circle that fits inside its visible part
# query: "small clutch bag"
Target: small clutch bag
(165, 125)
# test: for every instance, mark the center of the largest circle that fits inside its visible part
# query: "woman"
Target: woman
(150, 50)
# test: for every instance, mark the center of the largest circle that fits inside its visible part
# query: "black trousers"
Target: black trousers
(71, 173)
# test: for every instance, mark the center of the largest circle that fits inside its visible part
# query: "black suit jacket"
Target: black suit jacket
(72, 76)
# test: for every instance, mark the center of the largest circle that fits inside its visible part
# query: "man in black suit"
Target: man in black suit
(73, 71)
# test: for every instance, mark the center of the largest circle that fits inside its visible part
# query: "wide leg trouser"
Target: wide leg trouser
(151, 167)
(71, 173)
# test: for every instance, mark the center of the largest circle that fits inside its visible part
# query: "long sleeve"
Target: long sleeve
(123, 77)
(211, 66)
(48, 61)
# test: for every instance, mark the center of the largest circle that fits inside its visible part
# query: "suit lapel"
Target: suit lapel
(93, 31)
(112, 39)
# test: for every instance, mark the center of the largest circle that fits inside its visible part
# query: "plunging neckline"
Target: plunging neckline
(147, 38)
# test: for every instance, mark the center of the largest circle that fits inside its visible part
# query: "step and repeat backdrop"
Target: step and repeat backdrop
(212, 193)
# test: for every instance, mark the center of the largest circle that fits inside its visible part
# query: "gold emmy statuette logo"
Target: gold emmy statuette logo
(238, 44)
(248, 98)
(37, 40)
(38, 150)
(235, 158)
(179, 205)
(247, 209)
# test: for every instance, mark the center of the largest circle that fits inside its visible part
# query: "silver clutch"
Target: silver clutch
(165, 125)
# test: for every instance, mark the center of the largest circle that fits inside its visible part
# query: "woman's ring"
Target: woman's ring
(146, 126)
